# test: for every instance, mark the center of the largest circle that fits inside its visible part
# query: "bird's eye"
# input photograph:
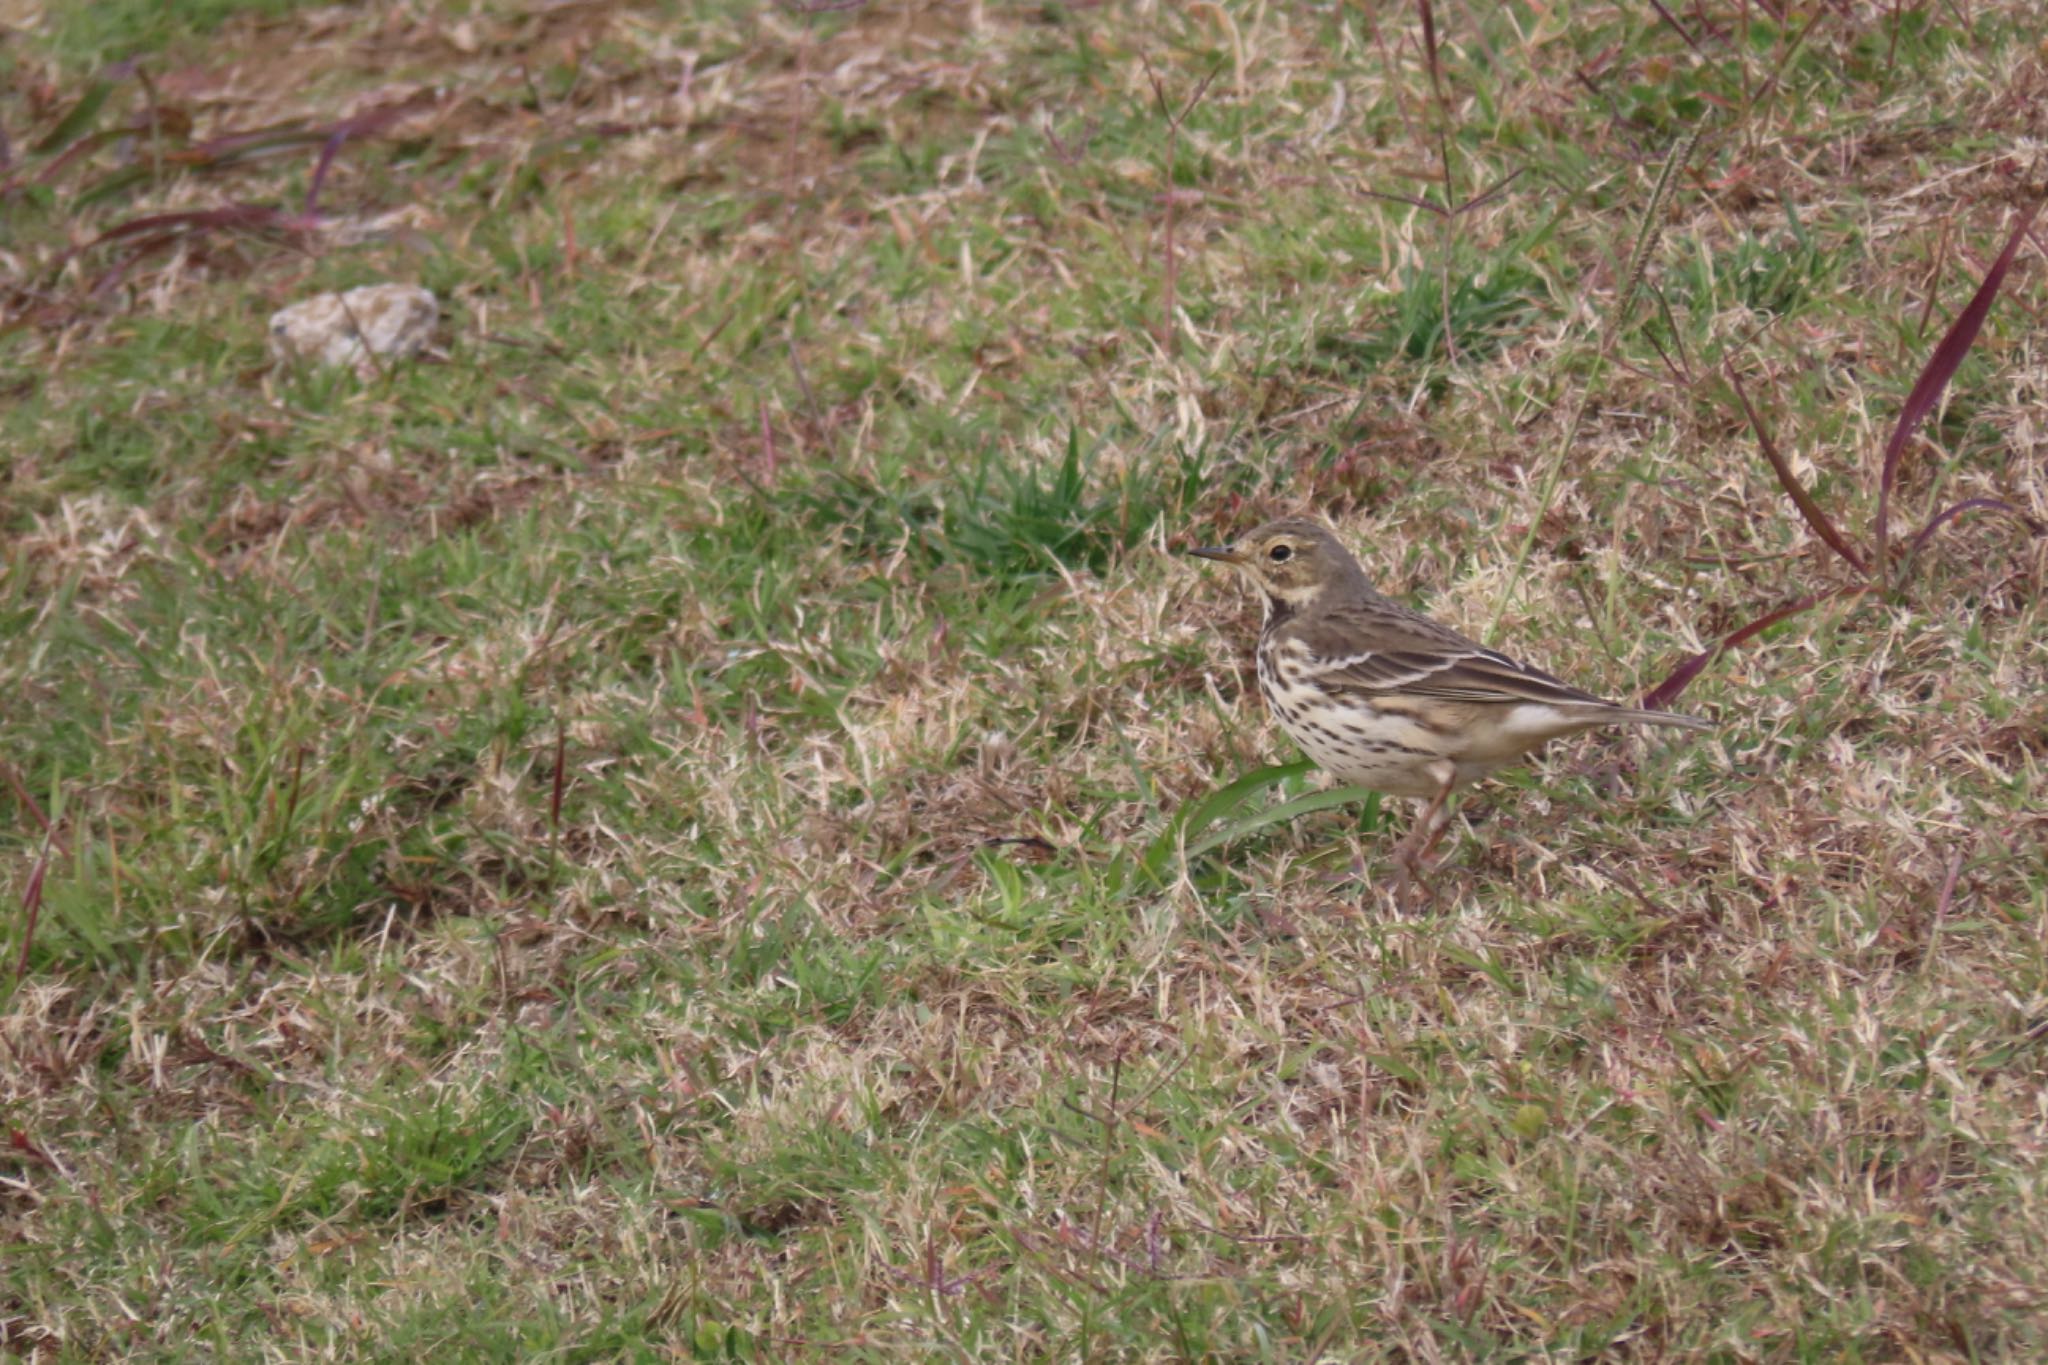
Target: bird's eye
(1280, 554)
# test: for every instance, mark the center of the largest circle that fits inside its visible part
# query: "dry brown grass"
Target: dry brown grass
(826, 1013)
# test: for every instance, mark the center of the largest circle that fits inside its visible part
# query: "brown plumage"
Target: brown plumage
(1386, 698)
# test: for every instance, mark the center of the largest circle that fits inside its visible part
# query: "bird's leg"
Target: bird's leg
(1441, 823)
(1429, 827)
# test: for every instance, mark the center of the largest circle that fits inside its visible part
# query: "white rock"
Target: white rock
(384, 321)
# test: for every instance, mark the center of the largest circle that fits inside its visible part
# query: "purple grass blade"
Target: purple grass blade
(365, 124)
(1949, 514)
(232, 216)
(372, 121)
(1661, 696)
(112, 183)
(231, 148)
(1436, 78)
(291, 134)
(1803, 500)
(327, 154)
(83, 147)
(1409, 199)
(115, 274)
(1941, 367)
(78, 118)
(32, 904)
(1672, 20)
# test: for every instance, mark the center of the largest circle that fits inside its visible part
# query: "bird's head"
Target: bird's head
(1292, 561)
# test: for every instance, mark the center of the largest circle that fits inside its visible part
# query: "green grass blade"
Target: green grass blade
(1286, 810)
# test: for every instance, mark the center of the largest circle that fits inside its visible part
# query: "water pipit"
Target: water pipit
(1382, 696)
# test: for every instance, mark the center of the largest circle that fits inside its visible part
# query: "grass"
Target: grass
(703, 818)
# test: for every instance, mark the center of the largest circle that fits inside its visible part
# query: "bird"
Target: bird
(1386, 698)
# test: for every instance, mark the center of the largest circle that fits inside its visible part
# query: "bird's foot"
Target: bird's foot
(1410, 891)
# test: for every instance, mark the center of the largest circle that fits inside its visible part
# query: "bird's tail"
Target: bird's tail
(1633, 715)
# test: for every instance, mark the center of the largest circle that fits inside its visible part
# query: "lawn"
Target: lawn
(706, 816)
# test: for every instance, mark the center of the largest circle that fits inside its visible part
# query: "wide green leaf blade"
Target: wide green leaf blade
(1286, 810)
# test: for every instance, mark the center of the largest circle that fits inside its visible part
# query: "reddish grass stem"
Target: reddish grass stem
(1814, 514)
(1941, 367)
(1169, 334)
(32, 903)
(1925, 395)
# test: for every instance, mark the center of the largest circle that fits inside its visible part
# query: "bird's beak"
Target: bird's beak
(1223, 554)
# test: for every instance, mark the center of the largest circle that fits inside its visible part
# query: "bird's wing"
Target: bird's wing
(1383, 648)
